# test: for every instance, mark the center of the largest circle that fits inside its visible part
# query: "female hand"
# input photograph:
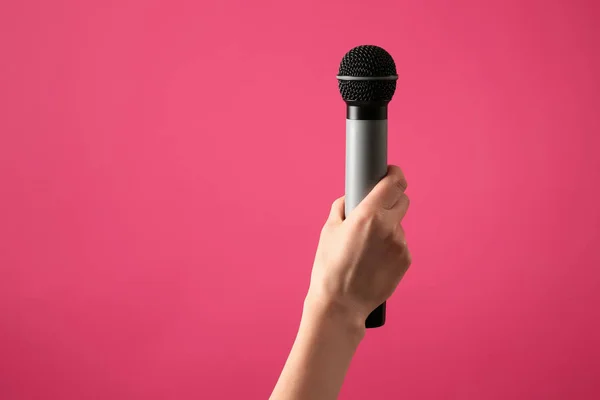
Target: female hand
(360, 260)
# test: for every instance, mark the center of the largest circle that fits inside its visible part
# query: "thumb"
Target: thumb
(386, 193)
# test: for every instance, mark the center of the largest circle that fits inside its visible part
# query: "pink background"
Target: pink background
(160, 198)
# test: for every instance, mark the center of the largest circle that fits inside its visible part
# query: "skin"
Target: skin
(359, 263)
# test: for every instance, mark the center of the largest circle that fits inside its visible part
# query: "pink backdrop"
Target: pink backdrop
(161, 200)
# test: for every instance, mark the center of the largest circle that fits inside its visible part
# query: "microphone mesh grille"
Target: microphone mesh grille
(367, 61)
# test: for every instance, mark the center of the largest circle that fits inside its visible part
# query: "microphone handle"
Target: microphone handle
(366, 165)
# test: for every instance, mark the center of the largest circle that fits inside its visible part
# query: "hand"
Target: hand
(359, 263)
(360, 260)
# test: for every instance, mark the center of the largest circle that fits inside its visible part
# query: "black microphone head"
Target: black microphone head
(367, 74)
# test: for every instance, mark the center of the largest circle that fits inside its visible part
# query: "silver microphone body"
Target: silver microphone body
(366, 158)
(366, 165)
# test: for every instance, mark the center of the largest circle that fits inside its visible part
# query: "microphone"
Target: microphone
(367, 82)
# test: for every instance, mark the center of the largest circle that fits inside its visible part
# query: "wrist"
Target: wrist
(322, 312)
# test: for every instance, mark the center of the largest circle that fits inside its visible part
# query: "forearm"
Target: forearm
(327, 339)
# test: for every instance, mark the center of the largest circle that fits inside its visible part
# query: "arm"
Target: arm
(327, 339)
(359, 262)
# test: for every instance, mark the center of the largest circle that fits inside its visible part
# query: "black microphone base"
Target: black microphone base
(377, 318)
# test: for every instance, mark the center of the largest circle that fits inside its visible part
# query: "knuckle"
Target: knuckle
(395, 188)
(405, 254)
(407, 258)
(403, 202)
(400, 183)
(374, 224)
(406, 200)
(366, 219)
(379, 220)
(389, 237)
(369, 221)
(327, 228)
(402, 247)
